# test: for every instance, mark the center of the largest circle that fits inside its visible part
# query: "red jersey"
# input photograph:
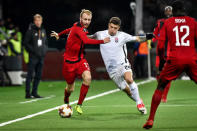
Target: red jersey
(180, 32)
(159, 55)
(157, 29)
(75, 42)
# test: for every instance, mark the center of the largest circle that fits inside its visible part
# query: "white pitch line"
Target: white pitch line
(74, 102)
(38, 99)
(162, 105)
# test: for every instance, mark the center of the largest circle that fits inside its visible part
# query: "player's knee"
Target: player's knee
(129, 80)
(87, 79)
(71, 89)
(162, 84)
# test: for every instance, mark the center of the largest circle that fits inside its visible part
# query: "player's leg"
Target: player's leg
(170, 72)
(135, 92)
(156, 99)
(67, 92)
(192, 71)
(69, 75)
(165, 93)
(86, 76)
(84, 70)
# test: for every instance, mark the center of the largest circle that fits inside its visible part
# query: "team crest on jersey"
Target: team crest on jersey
(116, 39)
(85, 30)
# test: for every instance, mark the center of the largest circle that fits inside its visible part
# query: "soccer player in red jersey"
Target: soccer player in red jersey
(75, 65)
(160, 61)
(181, 33)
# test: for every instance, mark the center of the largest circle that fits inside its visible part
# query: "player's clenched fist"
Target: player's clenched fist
(106, 40)
(54, 34)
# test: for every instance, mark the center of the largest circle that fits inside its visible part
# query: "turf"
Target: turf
(111, 112)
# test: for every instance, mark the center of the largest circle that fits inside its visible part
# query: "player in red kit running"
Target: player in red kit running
(74, 62)
(181, 33)
(160, 61)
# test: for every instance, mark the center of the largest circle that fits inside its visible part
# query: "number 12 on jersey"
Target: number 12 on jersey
(177, 31)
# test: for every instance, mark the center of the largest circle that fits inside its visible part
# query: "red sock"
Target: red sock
(156, 99)
(66, 96)
(165, 93)
(83, 92)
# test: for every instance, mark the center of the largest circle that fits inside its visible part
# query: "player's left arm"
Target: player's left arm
(94, 36)
(161, 42)
(83, 36)
(147, 36)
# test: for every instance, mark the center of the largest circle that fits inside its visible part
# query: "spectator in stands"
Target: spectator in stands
(3, 28)
(14, 45)
(36, 44)
(10, 29)
(18, 33)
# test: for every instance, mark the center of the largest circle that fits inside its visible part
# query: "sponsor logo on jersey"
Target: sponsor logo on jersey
(180, 20)
(43, 34)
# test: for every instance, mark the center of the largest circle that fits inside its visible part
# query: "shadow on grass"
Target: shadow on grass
(108, 116)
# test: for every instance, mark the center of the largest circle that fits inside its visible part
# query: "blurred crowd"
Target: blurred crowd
(10, 49)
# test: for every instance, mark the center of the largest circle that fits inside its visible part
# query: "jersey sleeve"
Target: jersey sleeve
(85, 38)
(161, 42)
(156, 32)
(95, 36)
(64, 32)
(128, 37)
(163, 33)
(196, 31)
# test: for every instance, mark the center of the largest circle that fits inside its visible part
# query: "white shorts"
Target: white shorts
(118, 75)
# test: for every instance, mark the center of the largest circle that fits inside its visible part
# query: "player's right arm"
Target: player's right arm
(58, 35)
(87, 40)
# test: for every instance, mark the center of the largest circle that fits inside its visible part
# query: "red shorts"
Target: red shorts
(174, 67)
(73, 70)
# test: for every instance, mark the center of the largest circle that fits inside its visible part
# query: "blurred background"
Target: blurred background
(60, 14)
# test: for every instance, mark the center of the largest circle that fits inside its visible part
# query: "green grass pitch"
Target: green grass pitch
(113, 112)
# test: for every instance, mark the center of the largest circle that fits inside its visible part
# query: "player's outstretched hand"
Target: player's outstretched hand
(149, 36)
(106, 40)
(54, 34)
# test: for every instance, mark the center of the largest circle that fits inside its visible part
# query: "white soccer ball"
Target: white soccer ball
(65, 111)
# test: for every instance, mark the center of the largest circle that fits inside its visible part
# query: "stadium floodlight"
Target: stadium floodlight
(133, 7)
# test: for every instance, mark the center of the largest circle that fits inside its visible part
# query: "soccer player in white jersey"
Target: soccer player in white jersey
(114, 55)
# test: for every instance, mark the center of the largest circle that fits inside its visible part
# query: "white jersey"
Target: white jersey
(114, 53)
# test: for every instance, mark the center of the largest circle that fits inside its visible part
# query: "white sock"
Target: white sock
(135, 93)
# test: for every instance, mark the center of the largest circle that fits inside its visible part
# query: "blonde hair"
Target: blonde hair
(85, 11)
(37, 16)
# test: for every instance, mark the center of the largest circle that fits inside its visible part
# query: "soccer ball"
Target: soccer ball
(65, 111)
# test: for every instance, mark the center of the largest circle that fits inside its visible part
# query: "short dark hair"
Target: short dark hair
(115, 21)
(178, 8)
